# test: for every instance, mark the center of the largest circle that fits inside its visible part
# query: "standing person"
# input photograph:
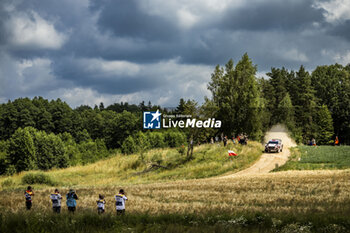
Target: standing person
(101, 204)
(120, 202)
(71, 200)
(336, 142)
(313, 142)
(225, 140)
(212, 140)
(56, 201)
(28, 195)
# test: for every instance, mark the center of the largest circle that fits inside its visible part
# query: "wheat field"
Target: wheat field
(282, 192)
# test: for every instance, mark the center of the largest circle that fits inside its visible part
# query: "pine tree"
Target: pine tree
(102, 106)
(278, 90)
(181, 107)
(305, 104)
(325, 130)
(286, 110)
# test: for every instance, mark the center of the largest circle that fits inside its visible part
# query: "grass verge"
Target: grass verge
(319, 157)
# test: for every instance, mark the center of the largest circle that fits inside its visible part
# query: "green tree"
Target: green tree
(8, 120)
(286, 110)
(277, 93)
(325, 130)
(332, 86)
(82, 136)
(129, 146)
(305, 104)
(236, 93)
(22, 150)
(181, 107)
(49, 151)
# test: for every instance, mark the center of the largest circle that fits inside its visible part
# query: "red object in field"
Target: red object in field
(231, 153)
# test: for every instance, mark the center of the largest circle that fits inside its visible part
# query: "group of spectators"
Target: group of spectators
(241, 139)
(71, 201)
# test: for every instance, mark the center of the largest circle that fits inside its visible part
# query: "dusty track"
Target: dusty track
(268, 161)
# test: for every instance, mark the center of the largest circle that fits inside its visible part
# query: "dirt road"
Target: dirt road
(269, 161)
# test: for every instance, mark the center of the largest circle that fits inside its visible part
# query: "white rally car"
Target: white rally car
(274, 145)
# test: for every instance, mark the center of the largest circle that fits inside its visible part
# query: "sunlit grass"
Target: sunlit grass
(208, 160)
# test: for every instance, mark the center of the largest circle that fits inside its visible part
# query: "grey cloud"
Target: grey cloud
(272, 15)
(173, 61)
(341, 30)
(126, 19)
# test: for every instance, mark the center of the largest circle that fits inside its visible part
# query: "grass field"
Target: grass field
(317, 200)
(168, 201)
(319, 157)
(208, 160)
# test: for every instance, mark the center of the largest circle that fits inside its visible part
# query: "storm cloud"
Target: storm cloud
(85, 52)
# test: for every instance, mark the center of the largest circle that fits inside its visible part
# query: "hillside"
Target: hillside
(208, 160)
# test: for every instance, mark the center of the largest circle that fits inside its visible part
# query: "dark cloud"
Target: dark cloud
(89, 74)
(341, 30)
(127, 19)
(272, 15)
(133, 49)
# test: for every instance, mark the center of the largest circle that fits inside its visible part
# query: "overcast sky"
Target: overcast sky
(87, 52)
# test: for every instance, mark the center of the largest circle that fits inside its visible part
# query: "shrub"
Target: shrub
(37, 178)
(142, 141)
(175, 138)
(157, 158)
(181, 150)
(8, 182)
(129, 146)
(156, 139)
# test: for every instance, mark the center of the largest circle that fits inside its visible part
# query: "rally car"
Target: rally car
(274, 145)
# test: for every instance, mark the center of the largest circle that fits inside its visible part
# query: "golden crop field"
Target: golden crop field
(282, 192)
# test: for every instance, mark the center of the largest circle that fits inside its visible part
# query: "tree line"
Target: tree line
(41, 134)
(312, 104)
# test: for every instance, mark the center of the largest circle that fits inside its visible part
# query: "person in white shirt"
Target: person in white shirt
(56, 201)
(101, 204)
(120, 202)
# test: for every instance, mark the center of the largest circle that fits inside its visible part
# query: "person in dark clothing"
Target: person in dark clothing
(71, 200)
(28, 195)
(225, 140)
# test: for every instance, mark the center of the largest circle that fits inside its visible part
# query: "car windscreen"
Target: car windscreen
(273, 142)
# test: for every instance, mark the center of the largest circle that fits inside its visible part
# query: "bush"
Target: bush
(156, 139)
(129, 146)
(91, 151)
(157, 158)
(181, 150)
(37, 178)
(142, 141)
(8, 182)
(175, 138)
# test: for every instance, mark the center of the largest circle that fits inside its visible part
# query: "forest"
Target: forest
(42, 134)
